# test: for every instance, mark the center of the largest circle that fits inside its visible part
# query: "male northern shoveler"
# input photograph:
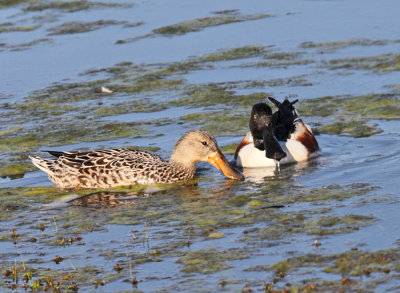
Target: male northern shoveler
(259, 147)
(107, 168)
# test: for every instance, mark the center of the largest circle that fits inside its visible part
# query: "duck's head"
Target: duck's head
(262, 129)
(199, 145)
(284, 118)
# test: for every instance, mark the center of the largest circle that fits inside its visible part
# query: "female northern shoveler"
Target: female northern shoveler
(107, 168)
(283, 136)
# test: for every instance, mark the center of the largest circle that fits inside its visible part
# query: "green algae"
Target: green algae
(236, 53)
(70, 133)
(358, 263)
(343, 44)
(218, 123)
(74, 27)
(351, 114)
(12, 199)
(229, 148)
(69, 6)
(209, 261)
(280, 59)
(16, 168)
(8, 3)
(38, 278)
(346, 116)
(327, 193)
(195, 25)
(212, 95)
(34, 123)
(198, 24)
(27, 45)
(349, 263)
(328, 225)
(349, 266)
(148, 83)
(351, 128)
(196, 209)
(199, 214)
(380, 64)
(204, 96)
(283, 224)
(279, 63)
(8, 28)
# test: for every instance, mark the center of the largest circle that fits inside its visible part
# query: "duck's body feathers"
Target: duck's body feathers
(106, 168)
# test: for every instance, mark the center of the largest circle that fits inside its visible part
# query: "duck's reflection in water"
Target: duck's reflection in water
(112, 199)
(285, 172)
(106, 199)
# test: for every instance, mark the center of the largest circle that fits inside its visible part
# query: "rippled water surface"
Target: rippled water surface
(328, 225)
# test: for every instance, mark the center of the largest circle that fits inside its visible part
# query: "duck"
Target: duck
(275, 139)
(118, 167)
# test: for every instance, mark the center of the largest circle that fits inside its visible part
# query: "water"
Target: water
(211, 234)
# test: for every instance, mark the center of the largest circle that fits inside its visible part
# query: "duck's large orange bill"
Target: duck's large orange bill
(220, 162)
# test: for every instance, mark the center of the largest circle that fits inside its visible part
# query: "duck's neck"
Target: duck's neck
(179, 159)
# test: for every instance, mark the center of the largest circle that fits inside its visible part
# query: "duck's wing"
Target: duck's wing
(103, 168)
(283, 118)
(103, 157)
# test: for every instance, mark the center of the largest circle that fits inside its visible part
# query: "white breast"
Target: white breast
(251, 157)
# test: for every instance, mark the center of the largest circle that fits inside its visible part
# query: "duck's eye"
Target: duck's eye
(255, 117)
(204, 142)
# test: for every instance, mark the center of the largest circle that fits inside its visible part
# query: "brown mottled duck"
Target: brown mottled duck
(115, 167)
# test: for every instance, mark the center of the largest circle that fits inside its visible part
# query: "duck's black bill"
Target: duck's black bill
(273, 149)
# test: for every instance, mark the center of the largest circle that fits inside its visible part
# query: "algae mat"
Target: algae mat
(86, 74)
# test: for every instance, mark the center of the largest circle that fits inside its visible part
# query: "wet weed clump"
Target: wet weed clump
(351, 114)
(198, 24)
(69, 6)
(195, 25)
(354, 270)
(75, 27)
(380, 64)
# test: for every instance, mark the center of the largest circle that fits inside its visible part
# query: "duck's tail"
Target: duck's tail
(42, 164)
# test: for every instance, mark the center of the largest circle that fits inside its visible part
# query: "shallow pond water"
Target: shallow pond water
(328, 225)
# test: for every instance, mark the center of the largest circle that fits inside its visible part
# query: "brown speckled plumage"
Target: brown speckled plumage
(107, 168)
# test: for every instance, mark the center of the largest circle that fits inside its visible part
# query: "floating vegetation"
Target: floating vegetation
(138, 88)
(351, 114)
(280, 59)
(7, 3)
(16, 168)
(330, 46)
(198, 24)
(8, 27)
(210, 95)
(349, 266)
(351, 128)
(27, 45)
(130, 107)
(381, 63)
(289, 81)
(195, 25)
(69, 6)
(219, 123)
(236, 53)
(229, 148)
(74, 27)
(209, 261)
(196, 218)
(288, 230)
